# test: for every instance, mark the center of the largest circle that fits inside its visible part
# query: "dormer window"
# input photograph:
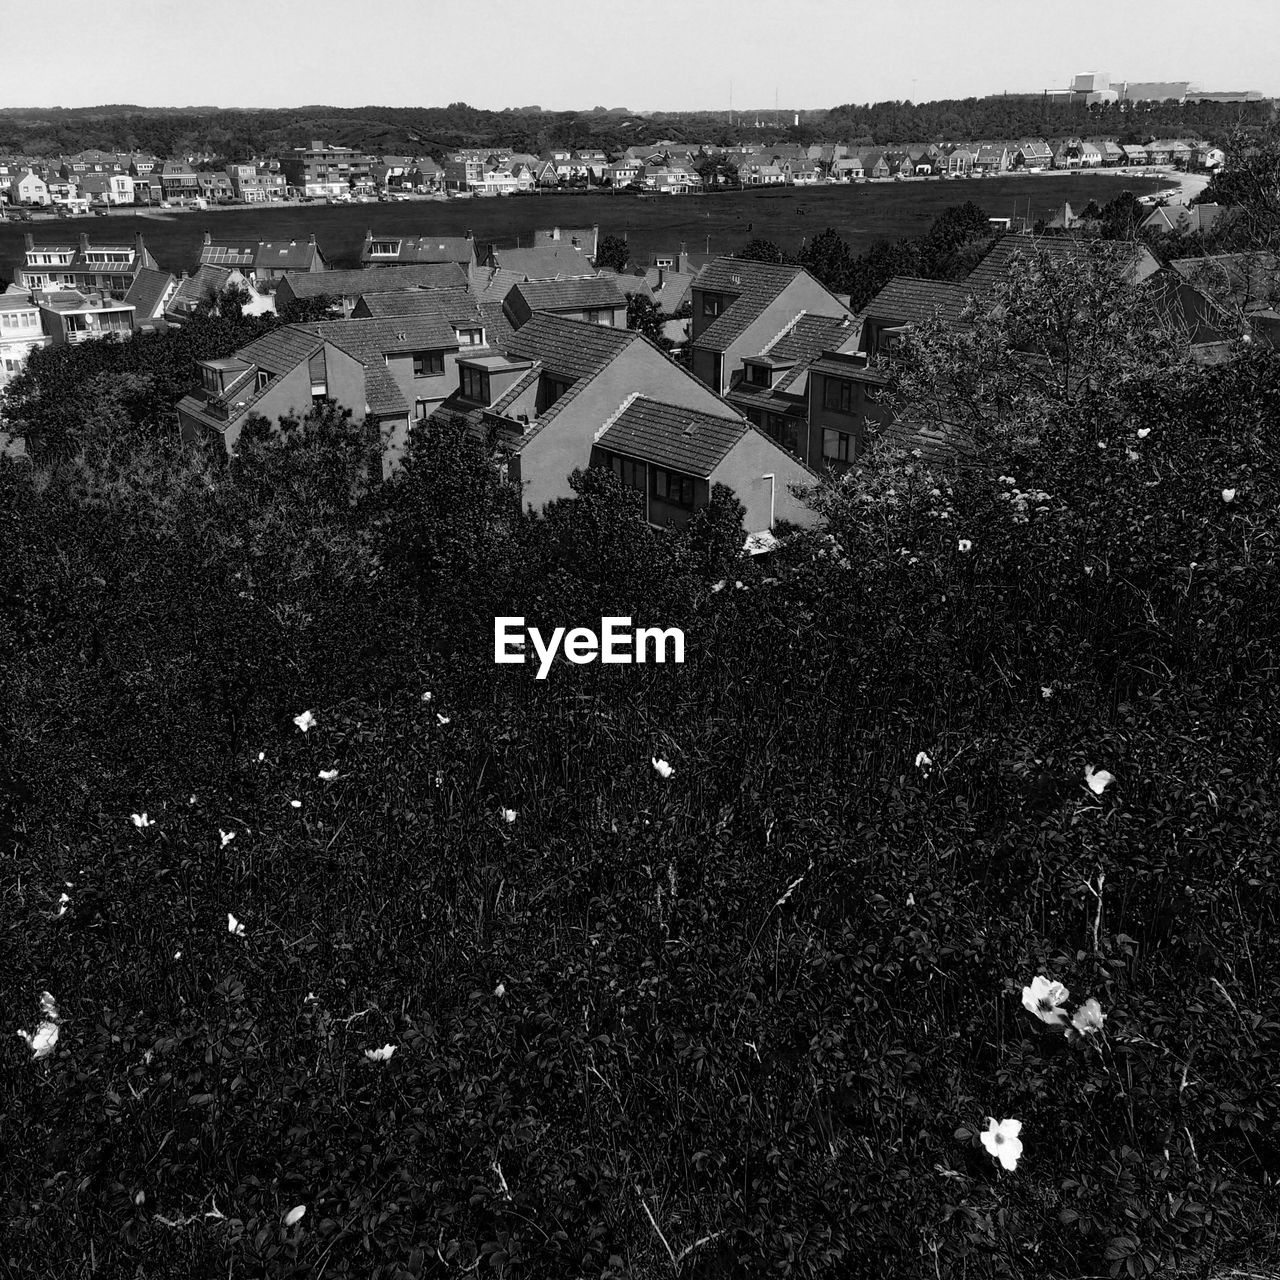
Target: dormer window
(470, 337)
(759, 375)
(384, 248)
(712, 304)
(263, 378)
(474, 384)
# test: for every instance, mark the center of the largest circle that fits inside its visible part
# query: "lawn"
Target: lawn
(863, 213)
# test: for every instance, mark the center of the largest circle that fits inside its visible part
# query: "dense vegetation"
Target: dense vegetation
(235, 135)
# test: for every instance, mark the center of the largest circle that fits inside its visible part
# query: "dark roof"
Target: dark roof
(569, 349)
(197, 287)
(545, 262)
(908, 300)
(147, 291)
(281, 349)
(413, 275)
(995, 268)
(369, 340)
(796, 348)
(1247, 280)
(860, 372)
(753, 285)
(936, 444)
(457, 249)
(288, 255)
(571, 295)
(665, 434)
(450, 307)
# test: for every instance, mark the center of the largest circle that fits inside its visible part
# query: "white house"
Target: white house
(30, 188)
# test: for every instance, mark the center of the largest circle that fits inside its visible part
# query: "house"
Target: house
(103, 268)
(900, 164)
(874, 164)
(497, 181)
(1034, 155)
(847, 169)
(585, 239)
(1185, 220)
(1158, 152)
(1244, 285)
(958, 161)
(287, 371)
(761, 174)
(344, 288)
(771, 387)
(149, 295)
(178, 181)
(1111, 153)
(622, 173)
(70, 317)
(543, 263)
(1064, 218)
(393, 249)
(323, 171)
(1134, 154)
(94, 187)
(567, 395)
(903, 301)
(216, 187)
(121, 188)
(262, 260)
(992, 157)
(29, 188)
(21, 332)
(803, 173)
(1090, 156)
(425, 175)
(595, 300)
(1136, 261)
(1209, 157)
(192, 292)
(739, 306)
(255, 183)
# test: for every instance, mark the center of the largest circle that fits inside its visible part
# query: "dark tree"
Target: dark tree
(613, 253)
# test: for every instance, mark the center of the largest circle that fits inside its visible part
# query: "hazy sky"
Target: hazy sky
(639, 54)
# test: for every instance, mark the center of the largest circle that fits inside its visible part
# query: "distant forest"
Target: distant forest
(233, 135)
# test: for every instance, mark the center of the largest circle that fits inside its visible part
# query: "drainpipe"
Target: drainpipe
(769, 476)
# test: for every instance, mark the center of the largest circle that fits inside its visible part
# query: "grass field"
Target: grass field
(862, 213)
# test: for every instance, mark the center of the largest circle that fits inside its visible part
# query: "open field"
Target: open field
(863, 213)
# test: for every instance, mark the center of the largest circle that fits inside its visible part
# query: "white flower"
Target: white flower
(922, 760)
(1098, 782)
(663, 768)
(1088, 1017)
(964, 545)
(499, 991)
(304, 722)
(192, 800)
(380, 1055)
(262, 755)
(62, 904)
(226, 836)
(141, 820)
(297, 804)
(508, 815)
(718, 586)
(233, 926)
(177, 955)
(441, 720)
(42, 1042)
(1131, 455)
(737, 586)
(1143, 432)
(426, 697)
(1102, 444)
(911, 899)
(49, 1007)
(328, 775)
(294, 1215)
(1045, 999)
(1001, 1141)
(1228, 495)
(1046, 691)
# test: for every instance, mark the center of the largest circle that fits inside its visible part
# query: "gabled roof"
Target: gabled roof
(571, 295)
(253, 255)
(803, 342)
(281, 349)
(753, 286)
(667, 435)
(994, 269)
(196, 288)
(351, 283)
(433, 313)
(908, 300)
(459, 249)
(545, 262)
(147, 292)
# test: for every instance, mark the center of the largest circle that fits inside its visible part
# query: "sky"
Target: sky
(645, 55)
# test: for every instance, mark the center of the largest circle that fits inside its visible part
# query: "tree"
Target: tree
(646, 317)
(761, 251)
(828, 258)
(613, 253)
(1121, 217)
(307, 310)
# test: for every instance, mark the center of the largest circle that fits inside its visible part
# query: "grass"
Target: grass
(862, 213)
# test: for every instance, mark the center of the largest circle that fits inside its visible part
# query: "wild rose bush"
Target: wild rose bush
(750, 1014)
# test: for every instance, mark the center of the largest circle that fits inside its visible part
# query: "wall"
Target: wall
(750, 460)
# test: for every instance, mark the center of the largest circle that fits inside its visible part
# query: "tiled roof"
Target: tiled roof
(459, 249)
(849, 369)
(456, 307)
(936, 444)
(570, 295)
(369, 340)
(147, 291)
(1247, 280)
(282, 349)
(545, 263)
(492, 284)
(381, 391)
(517, 388)
(994, 269)
(197, 287)
(275, 255)
(665, 434)
(754, 285)
(413, 275)
(906, 300)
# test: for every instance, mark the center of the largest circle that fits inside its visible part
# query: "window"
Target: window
(263, 378)
(759, 375)
(428, 364)
(470, 337)
(712, 304)
(672, 487)
(384, 249)
(603, 316)
(837, 395)
(475, 384)
(628, 470)
(837, 446)
(786, 431)
(664, 262)
(420, 410)
(553, 389)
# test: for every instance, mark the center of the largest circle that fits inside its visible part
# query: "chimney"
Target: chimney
(311, 240)
(368, 235)
(29, 240)
(680, 262)
(84, 242)
(139, 247)
(208, 239)
(661, 271)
